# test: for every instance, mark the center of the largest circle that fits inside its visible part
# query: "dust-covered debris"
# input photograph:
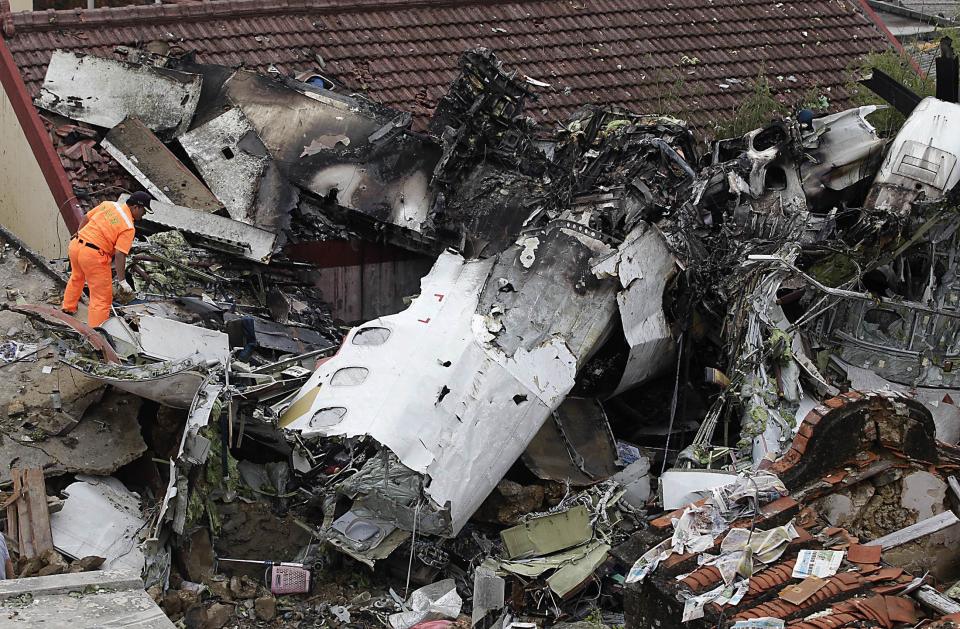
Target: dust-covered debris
(648, 380)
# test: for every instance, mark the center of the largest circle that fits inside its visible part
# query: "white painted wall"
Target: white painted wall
(27, 207)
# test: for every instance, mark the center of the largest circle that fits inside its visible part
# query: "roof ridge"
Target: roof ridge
(6, 19)
(867, 11)
(54, 19)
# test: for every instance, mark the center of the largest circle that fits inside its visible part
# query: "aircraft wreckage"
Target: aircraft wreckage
(607, 298)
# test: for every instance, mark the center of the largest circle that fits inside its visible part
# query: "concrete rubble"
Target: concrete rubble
(648, 379)
(107, 598)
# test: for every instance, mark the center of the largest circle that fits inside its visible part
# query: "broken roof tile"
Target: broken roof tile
(836, 477)
(901, 609)
(874, 608)
(771, 577)
(885, 574)
(858, 553)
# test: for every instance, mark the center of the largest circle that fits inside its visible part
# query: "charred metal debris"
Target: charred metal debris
(646, 382)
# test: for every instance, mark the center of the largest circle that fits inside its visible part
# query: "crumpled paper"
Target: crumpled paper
(649, 561)
(698, 527)
(740, 546)
(436, 601)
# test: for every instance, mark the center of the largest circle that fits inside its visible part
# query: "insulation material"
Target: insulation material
(173, 383)
(218, 232)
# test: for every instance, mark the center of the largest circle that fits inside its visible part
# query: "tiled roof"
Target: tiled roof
(648, 55)
(944, 8)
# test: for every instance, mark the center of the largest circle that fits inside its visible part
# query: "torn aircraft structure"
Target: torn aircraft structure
(540, 400)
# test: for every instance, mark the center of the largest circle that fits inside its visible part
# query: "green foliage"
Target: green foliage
(834, 269)
(898, 66)
(782, 345)
(676, 97)
(816, 99)
(595, 618)
(757, 110)
(671, 88)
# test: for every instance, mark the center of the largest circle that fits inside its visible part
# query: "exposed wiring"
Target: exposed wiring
(673, 404)
(413, 542)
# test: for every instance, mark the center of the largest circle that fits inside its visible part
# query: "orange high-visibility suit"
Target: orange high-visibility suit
(108, 229)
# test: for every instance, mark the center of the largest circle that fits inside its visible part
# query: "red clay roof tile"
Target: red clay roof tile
(799, 443)
(836, 477)
(901, 609)
(885, 574)
(858, 553)
(835, 402)
(640, 54)
(874, 608)
(866, 568)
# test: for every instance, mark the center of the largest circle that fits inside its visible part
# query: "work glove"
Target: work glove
(122, 291)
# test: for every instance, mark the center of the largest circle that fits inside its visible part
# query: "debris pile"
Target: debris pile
(647, 381)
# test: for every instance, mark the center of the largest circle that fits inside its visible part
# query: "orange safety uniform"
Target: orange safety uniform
(109, 229)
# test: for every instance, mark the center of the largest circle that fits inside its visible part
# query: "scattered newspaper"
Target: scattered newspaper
(759, 623)
(817, 563)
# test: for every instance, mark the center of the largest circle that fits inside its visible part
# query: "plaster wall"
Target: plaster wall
(27, 207)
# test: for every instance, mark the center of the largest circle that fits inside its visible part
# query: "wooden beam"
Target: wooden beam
(39, 140)
(916, 531)
(39, 513)
(22, 514)
(13, 530)
(11, 499)
(936, 601)
(28, 516)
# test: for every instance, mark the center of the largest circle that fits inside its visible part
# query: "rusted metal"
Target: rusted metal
(58, 316)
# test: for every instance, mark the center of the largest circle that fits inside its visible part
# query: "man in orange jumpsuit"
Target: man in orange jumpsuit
(105, 233)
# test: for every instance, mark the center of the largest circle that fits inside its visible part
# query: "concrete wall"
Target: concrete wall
(27, 207)
(21, 5)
